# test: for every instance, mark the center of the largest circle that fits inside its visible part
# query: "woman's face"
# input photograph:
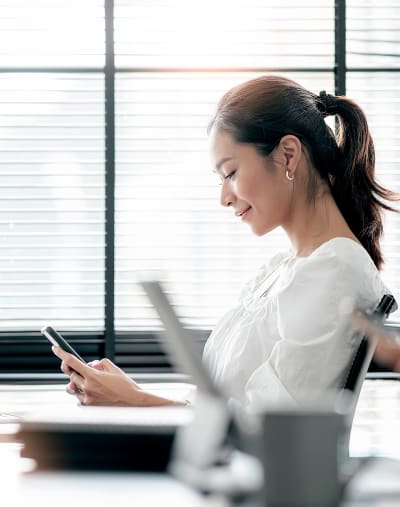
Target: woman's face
(255, 186)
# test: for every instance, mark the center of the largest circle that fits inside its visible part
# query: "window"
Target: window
(104, 170)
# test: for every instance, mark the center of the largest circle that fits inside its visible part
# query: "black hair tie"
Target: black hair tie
(326, 104)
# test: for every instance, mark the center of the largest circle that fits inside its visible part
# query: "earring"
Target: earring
(288, 176)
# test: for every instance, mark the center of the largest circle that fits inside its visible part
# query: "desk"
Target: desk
(23, 487)
(66, 489)
(376, 431)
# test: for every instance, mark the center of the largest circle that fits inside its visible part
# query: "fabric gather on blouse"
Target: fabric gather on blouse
(286, 340)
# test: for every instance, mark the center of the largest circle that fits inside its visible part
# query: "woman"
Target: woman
(280, 165)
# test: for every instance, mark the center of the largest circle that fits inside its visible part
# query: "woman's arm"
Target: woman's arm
(387, 350)
(387, 353)
(105, 384)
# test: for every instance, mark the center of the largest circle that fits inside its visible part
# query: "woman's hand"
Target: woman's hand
(103, 383)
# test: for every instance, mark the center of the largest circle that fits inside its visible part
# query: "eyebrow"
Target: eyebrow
(222, 162)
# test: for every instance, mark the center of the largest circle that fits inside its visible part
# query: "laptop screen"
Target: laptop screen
(179, 343)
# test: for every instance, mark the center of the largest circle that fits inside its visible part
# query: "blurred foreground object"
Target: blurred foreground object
(387, 346)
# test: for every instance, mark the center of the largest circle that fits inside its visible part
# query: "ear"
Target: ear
(290, 147)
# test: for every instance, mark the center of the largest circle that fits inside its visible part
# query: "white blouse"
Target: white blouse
(286, 337)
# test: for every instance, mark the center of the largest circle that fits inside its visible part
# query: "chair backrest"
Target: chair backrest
(363, 356)
(359, 365)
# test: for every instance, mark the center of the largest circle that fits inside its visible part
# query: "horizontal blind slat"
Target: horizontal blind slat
(52, 215)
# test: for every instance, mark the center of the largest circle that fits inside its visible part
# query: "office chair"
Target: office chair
(363, 356)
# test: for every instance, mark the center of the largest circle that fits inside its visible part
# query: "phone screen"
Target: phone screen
(56, 339)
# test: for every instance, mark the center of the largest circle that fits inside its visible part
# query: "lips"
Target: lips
(242, 213)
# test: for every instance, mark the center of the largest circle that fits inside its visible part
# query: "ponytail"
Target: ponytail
(357, 194)
(261, 111)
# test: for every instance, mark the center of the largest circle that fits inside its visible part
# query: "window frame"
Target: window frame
(27, 352)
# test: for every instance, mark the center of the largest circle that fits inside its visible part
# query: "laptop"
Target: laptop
(212, 417)
(179, 344)
(222, 431)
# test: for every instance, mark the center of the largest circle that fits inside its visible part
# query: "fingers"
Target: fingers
(77, 382)
(65, 368)
(76, 388)
(97, 365)
(109, 366)
(72, 388)
(69, 361)
(82, 397)
(79, 374)
(87, 381)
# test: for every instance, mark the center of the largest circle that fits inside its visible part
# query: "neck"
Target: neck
(311, 225)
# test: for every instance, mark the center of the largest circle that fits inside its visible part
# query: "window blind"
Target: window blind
(51, 178)
(51, 33)
(224, 34)
(173, 61)
(373, 79)
(52, 201)
(373, 34)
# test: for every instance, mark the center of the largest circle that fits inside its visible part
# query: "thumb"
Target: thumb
(70, 360)
(96, 365)
(109, 366)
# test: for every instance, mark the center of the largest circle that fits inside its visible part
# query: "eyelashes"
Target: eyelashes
(230, 175)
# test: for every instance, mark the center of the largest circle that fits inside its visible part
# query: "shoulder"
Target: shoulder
(342, 267)
(344, 250)
(339, 270)
(339, 255)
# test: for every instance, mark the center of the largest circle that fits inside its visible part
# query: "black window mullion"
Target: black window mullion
(109, 335)
(340, 47)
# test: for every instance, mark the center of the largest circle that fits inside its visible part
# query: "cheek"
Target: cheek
(248, 190)
(272, 200)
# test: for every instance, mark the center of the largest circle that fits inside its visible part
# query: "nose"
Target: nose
(227, 196)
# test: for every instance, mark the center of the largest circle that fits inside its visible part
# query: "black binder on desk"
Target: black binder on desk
(103, 438)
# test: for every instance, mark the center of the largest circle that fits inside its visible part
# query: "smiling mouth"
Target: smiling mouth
(241, 214)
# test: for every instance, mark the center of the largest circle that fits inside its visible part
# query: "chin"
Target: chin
(262, 231)
(259, 232)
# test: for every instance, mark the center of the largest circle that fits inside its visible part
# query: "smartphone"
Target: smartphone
(56, 339)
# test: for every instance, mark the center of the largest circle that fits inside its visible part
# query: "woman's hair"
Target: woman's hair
(261, 111)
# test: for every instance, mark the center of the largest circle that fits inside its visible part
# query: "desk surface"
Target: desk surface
(64, 489)
(23, 485)
(375, 432)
